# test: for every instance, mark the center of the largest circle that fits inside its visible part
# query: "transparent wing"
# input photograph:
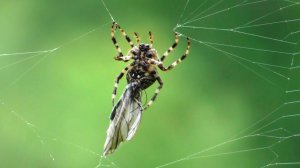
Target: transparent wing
(124, 120)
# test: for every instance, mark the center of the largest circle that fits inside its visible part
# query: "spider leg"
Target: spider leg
(113, 30)
(165, 55)
(156, 91)
(137, 38)
(123, 58)
(117, 82)
(151, 39)
(126, 36)
(179, 60)
(130, 55)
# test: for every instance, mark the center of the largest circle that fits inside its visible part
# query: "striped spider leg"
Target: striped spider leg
(120, 76)
(175, 63)
(161, 84)
(151, 39)
(137, 38)
(160, 64)
(121, 56)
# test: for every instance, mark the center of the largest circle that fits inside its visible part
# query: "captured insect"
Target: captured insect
(141, 73)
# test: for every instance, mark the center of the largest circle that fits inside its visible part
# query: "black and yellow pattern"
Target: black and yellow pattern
(137, 38)
(179, 60)
(123, 72)
(151, 39)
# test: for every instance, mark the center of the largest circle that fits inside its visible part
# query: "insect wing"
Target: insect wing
(125, 118)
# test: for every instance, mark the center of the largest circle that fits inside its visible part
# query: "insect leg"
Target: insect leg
(156, 91)
(117, 82)
(179, 60)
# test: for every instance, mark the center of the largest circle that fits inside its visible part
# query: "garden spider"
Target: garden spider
(145, 59)
(141, 73)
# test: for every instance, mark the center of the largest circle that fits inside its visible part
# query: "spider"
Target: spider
(145, 57)
(141, 74)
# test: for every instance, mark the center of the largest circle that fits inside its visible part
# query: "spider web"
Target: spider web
(254, 43)
(263, 43)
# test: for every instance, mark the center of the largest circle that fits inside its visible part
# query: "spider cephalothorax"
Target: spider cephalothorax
(143, 52)
(140, 74)
(144, 47)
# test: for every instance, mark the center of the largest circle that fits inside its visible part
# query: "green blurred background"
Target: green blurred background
(58, 103)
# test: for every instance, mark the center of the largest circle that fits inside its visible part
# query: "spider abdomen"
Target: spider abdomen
(142, 77)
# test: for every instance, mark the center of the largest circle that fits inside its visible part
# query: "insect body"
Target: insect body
(141, 74)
